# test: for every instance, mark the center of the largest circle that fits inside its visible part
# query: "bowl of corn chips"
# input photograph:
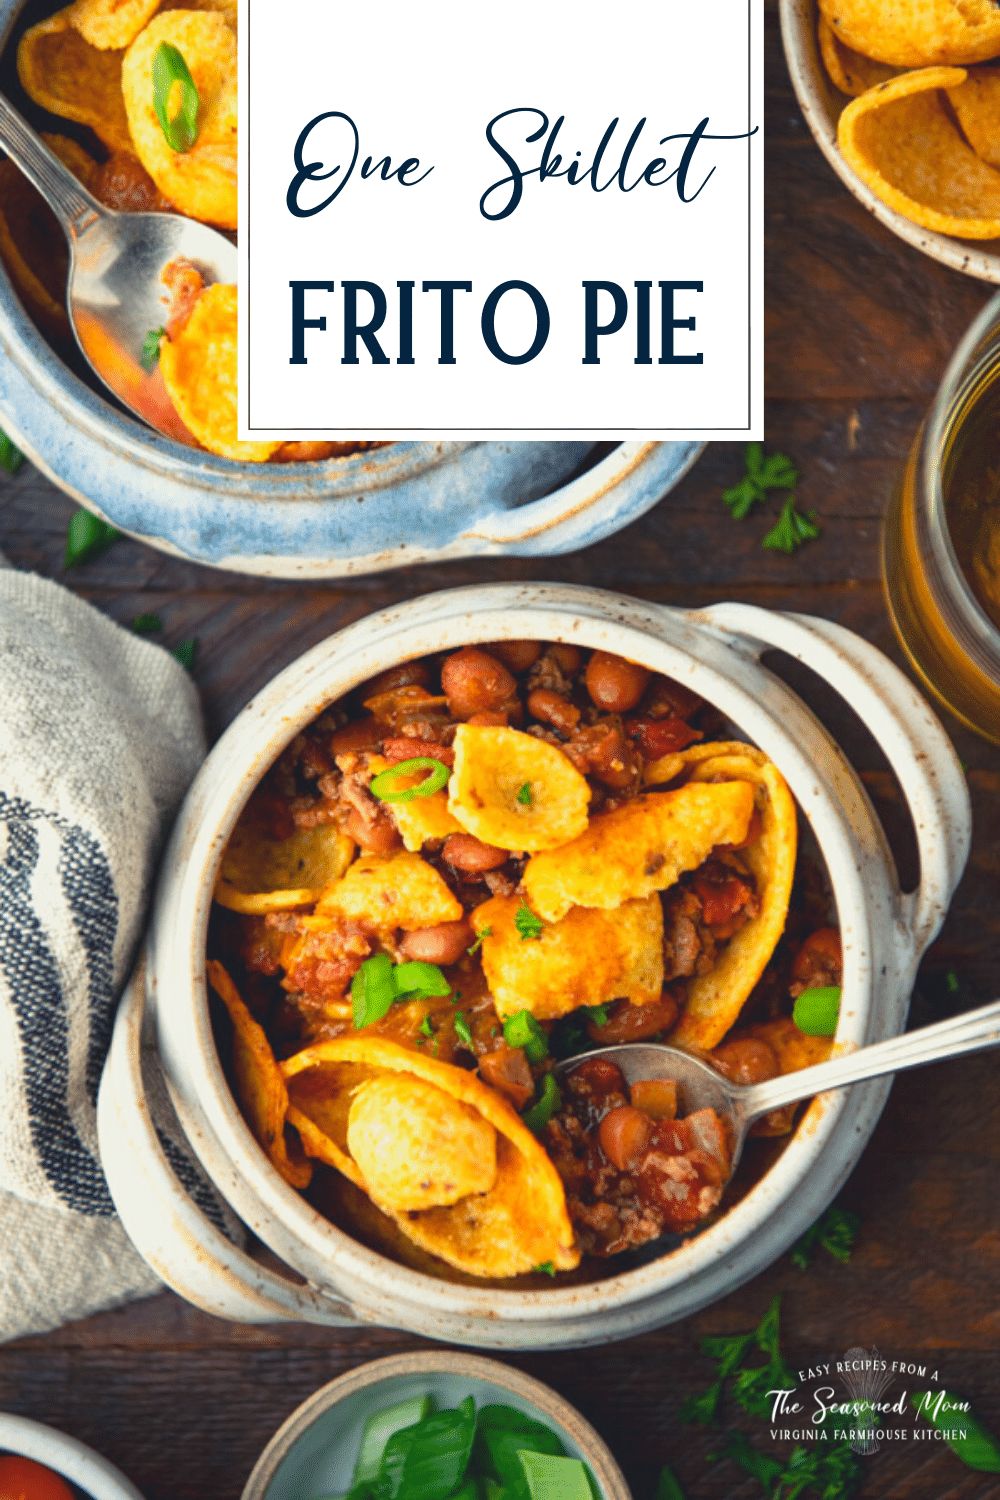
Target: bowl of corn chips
(904, 102)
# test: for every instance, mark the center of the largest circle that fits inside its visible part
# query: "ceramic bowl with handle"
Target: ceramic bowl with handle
(313, 1452)
(821, 103)
(95, 1476)
(716, 652)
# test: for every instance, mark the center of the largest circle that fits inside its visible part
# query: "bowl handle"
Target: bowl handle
(163, 1222)
(906, 728)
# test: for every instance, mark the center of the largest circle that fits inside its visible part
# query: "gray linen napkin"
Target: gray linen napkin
(100, 734)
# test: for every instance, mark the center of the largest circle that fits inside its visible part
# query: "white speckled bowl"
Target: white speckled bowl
(76, 1462)
(717, 653)
(821, 105)
(313, 1452)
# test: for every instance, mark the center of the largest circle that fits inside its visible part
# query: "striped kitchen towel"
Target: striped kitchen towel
(100, 734)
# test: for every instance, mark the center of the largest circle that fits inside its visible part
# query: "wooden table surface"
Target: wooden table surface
(859, 329)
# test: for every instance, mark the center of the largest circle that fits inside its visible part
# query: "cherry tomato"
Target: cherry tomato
(23, 1479)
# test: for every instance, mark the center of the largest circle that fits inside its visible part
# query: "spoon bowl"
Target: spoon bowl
(738, 1105)
(115, 294)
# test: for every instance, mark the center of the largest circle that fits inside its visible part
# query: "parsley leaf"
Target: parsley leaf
(527, 924)
(760, 1466)
(150, 356)
(186, 652)
(973, 1443)
(524, 795)
(952, 983)
(836, 1231)
(667, 1487)
(11, 457)
(762, 474)
(596, 1013)
(485, 932)
(703, 1408)
(548, 1267)
(86, 537)
(147, 624)
(792, 529)
(425, 1028)
(462, 1030)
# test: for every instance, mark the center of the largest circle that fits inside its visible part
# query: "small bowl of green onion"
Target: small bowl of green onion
(436, 1426)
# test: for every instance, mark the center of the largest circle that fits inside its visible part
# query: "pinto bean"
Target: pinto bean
(507, 1071)
(465, 852)
(570, 658)
(552, 708)
(635, 1023)
(440, 945)
(489, 719)
(517, 656)
(407, 674)
(380, 836)
(474, 681)
(819, 961)
(746, 1059)
(625, 1135)
(360, 734)
(613, 683)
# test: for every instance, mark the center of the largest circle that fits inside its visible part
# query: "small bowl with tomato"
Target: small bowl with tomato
(40, 1463)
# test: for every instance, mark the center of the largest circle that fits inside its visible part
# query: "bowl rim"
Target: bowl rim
(505, 1378)
(270, 722)
(817, 95)
(89, 1470)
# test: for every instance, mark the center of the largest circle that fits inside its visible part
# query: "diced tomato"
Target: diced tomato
(23, 1479)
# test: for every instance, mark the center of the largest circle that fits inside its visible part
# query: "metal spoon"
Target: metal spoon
(115, 294)
(739, 1105)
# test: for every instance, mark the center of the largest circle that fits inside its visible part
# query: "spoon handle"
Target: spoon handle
(972, 1032)
(72, 205)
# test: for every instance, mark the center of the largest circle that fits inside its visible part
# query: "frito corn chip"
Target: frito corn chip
(917, 33)
(199, 370)
(260, 1087)
(400, 891)
(416, 1146)
(900, 140)
(851, 72)
(108, 24)
(226, 8)
(588, 957)
(715, 999)
(200, 182)
(518, 1223)
(32, 245)
(976, 102)
(515, 791)
(639, 848)
(64, 74)
(422, 819)
(261, 873)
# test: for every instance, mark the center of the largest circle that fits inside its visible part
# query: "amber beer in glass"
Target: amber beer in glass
(941, 538)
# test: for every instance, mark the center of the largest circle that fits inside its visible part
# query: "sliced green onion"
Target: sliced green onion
(150, 356)
(547, 1268)
(552, 1478)
(87, 537)
(524, 795)
(816, 1011)
(384, 784)
(11, 457)
(428, 1461)
(540, 1113)
(373, 989)
(522, 1030)
(180, 129)
(379, 1429)
(596, 1013)
(418, 978)
(425, 1028)
(503, 1434)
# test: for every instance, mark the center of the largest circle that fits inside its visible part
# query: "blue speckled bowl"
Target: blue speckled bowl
(407, 503)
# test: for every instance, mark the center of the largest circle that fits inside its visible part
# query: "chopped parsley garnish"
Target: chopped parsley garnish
(527, 924)
(87, 537)
(147, 624)
(537, 1115)
(11, 457)
(522, 1030)
(596, 1013)
(186, 652)
(547, 1267)
(524, 795)
(150, 356)
(762, 474)
(951, 982)
(792, 529)
(462, 1030)
(425, 1028)
(667, 1487)
(485, 932)
(835, 1231)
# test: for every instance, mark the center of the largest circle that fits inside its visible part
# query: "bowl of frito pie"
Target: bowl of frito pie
(445, 860)
(904, 102)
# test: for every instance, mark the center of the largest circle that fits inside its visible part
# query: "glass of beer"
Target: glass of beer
(941, 538)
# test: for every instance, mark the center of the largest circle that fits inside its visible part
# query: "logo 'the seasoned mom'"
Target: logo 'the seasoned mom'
(327, 152)
(820, 1413)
